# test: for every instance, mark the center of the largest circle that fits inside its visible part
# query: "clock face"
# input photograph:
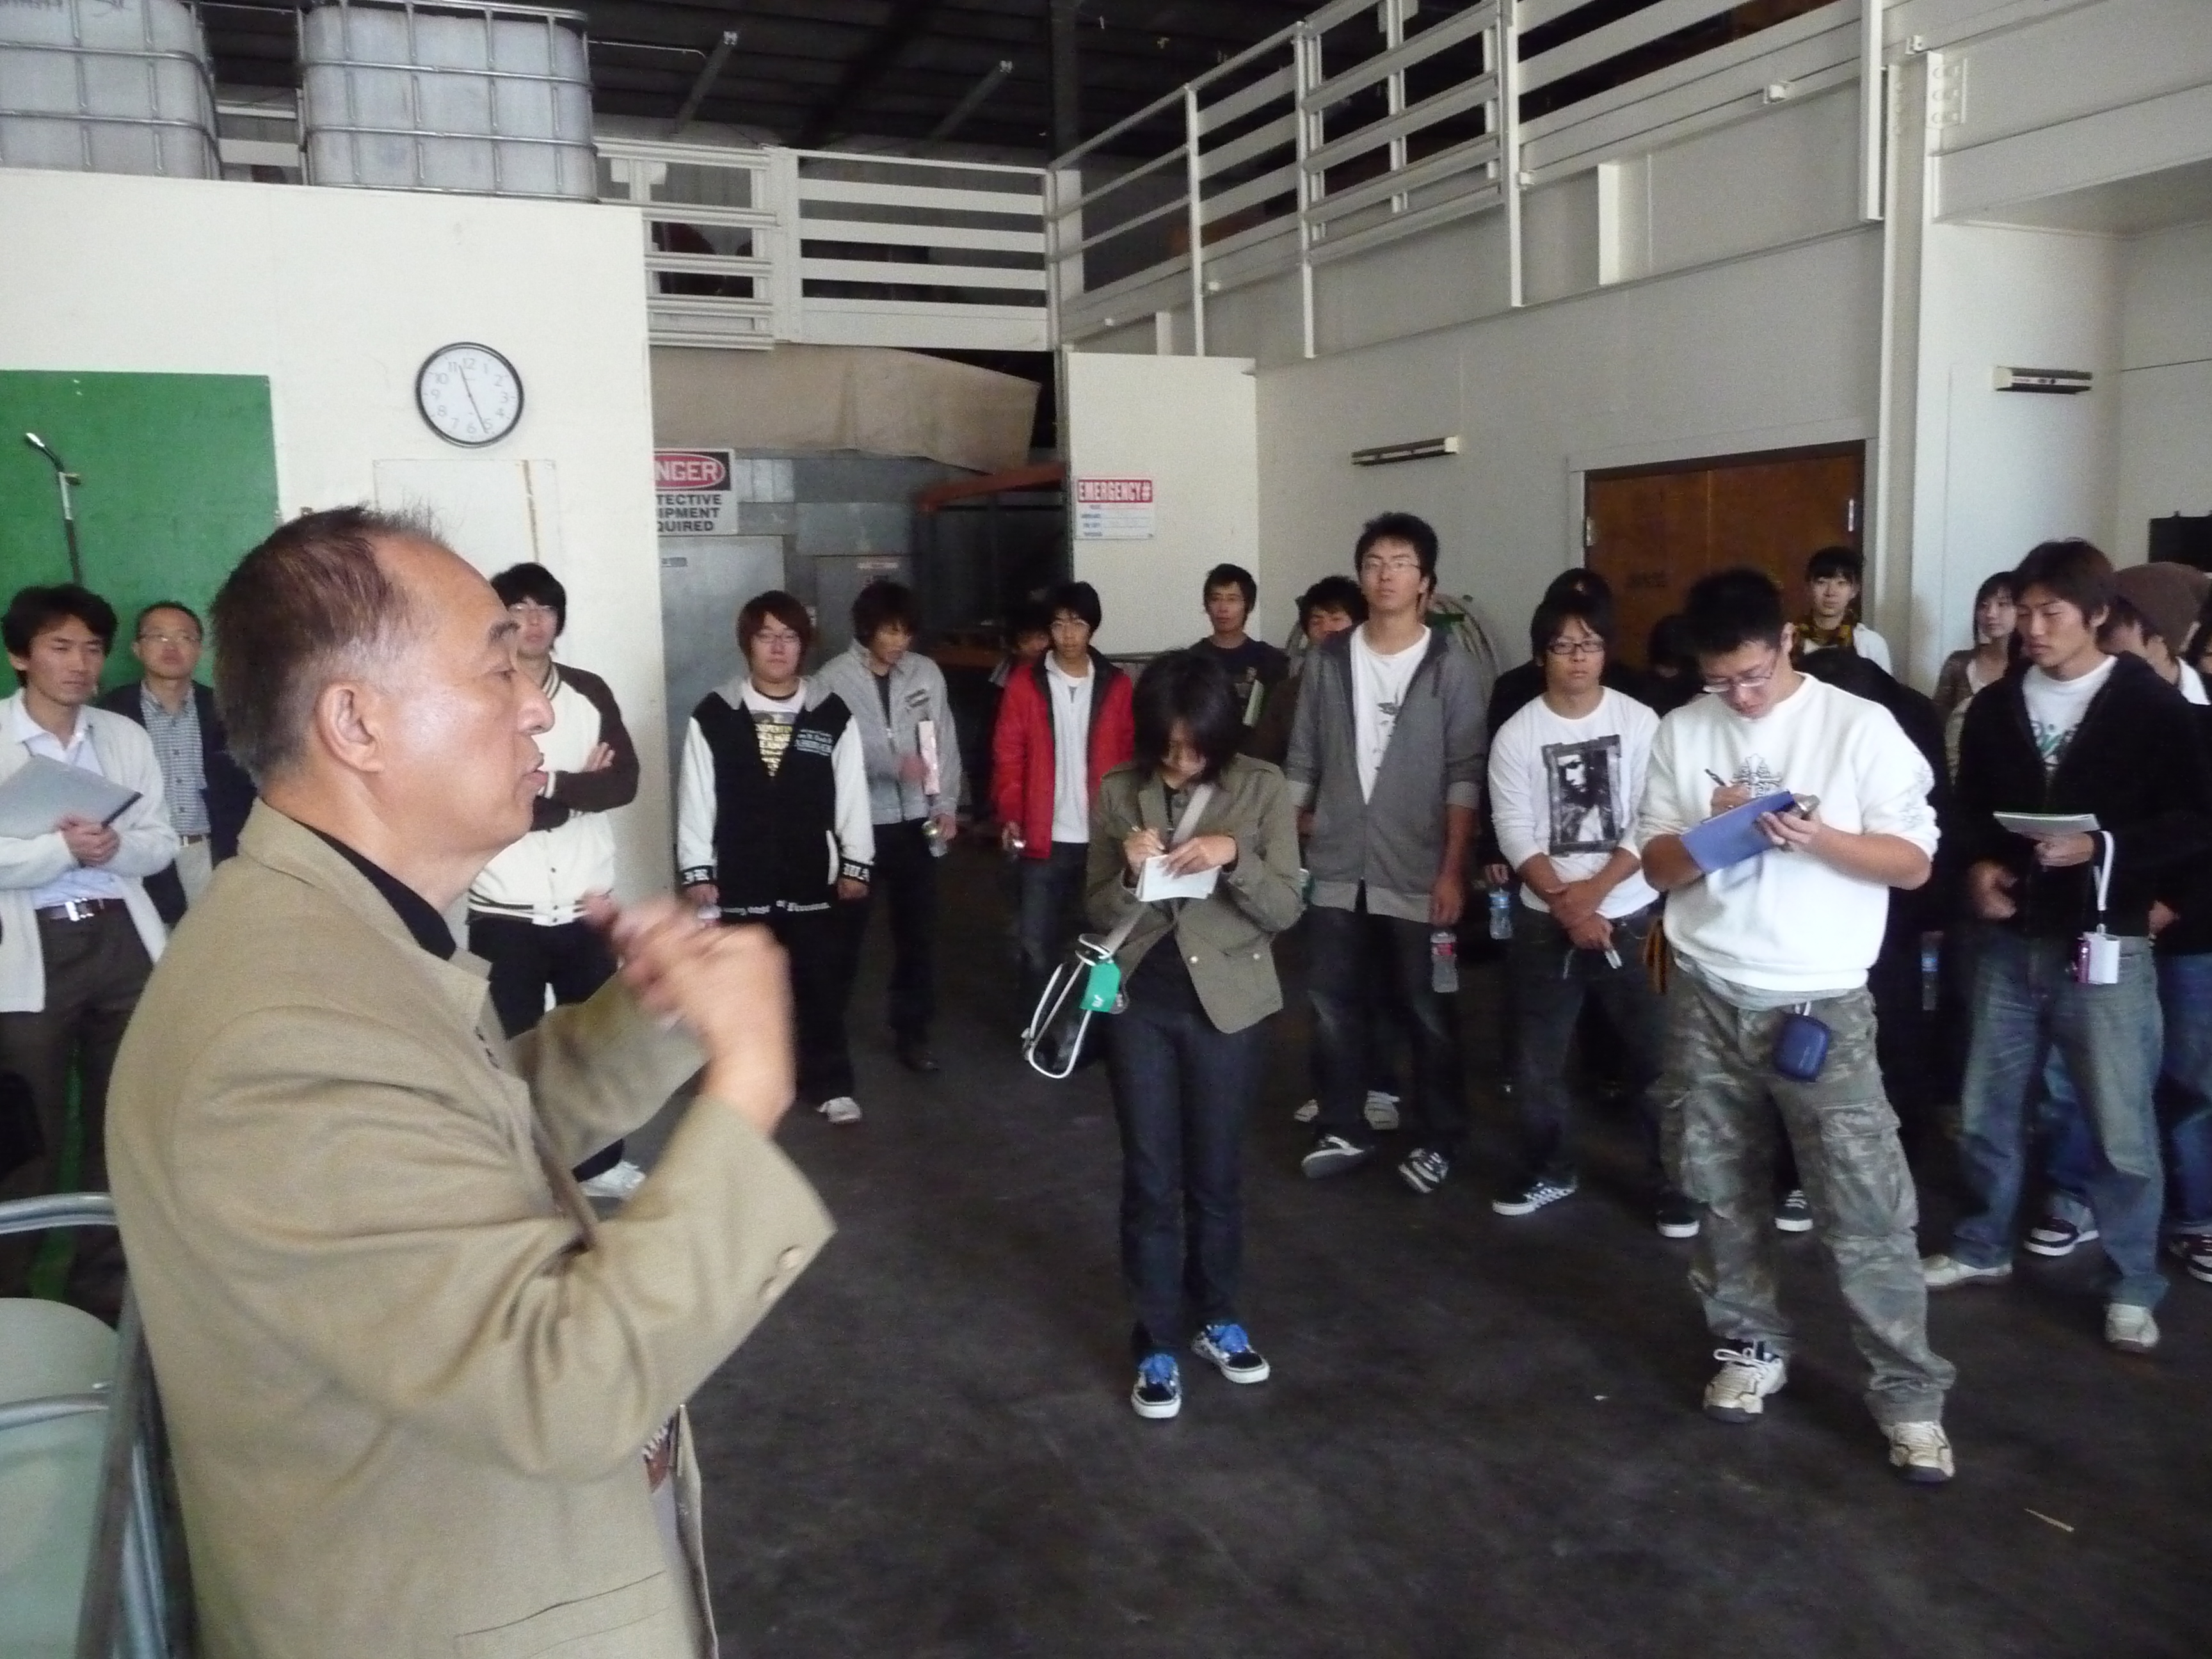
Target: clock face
(470, 394)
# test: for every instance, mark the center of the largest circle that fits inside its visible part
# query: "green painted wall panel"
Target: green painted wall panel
(180, 480)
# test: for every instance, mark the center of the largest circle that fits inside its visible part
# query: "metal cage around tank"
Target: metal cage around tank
(106, 85)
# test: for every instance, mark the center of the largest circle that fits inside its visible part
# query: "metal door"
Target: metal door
(704, 581)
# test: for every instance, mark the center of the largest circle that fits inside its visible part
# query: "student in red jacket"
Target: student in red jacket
(1064, 723)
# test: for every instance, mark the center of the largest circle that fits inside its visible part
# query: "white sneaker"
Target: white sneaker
(1921, 1452)
(1381, 1111)
(843, 1110)
(620, 1181)
(1746, 1376)
(1943, 1272)
(2129, 1329)
(1307, 1113)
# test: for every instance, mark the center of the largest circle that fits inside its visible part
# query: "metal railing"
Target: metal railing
(1364, 123)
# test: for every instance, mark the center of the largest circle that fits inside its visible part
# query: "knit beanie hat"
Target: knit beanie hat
(2166, 596)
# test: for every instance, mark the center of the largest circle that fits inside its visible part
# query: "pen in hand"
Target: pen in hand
(1719, 782)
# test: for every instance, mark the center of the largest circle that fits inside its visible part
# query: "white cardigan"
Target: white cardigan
(126, 757)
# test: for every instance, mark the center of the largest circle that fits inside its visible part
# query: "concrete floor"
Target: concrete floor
(1482, 1436)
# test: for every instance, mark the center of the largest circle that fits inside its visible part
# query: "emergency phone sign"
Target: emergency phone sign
(1114, 509)
(695, 492)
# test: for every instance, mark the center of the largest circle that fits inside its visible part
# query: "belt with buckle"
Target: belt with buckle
(193, 841)
(77, 909)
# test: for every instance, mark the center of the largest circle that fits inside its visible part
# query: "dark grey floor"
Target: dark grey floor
(1482, 1436)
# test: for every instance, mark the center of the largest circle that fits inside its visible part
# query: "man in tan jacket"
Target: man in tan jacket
(421, 1402)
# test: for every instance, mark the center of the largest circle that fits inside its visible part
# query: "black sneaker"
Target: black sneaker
(1159, 1391)
(2056, 1235)
(2193, 1251)
(1424, 1170)
(1226, 1348)
(1675, 1216)
(1526, 1201)
(1792, 1214)
(1333, 1155)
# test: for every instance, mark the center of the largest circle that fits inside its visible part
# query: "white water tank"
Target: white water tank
(429, 95)
(106, 85)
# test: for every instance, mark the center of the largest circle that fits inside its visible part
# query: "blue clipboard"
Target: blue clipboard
(1735, 836)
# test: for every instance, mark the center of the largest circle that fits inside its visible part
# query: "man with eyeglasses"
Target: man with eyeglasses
(526, 906)
(1767, 1002)
(1565, 775)
(207, 792)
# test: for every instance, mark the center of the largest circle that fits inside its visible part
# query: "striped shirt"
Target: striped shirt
(183, 761)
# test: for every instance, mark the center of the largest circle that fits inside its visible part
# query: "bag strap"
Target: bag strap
(1185, 828)
(2103, 875)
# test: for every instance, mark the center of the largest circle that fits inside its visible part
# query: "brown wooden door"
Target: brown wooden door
(1651, 532)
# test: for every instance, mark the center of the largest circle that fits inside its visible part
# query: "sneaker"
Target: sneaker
(1381, 1111)
(1307, 1113)
(1425, 1169)
(1676, 1217)
(1333, 1155)
(1526, 1201)
(1159, 1391)
(2193, 1252)
(2129, 1329)
(843, 1110)
(1921, 1452)
(2056, 1235)
(618, 1182)
(1792, 1214)
(1747, 1374)
(1229, 1351)
(1943, 1272)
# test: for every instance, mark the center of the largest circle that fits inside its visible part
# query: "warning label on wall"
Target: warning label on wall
(695, 492)
(1113, 509)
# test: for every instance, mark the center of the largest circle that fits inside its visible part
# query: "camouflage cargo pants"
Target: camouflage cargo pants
(1718, 1134)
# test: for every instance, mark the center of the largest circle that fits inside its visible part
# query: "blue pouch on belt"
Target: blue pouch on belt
(1801, 1046)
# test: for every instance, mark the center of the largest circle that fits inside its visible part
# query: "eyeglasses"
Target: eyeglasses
(169, 639)
(524, 610)
(1750, 682)
(1576, 647)
(1390, 567)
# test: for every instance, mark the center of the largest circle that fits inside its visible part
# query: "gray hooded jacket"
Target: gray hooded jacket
(917, 694)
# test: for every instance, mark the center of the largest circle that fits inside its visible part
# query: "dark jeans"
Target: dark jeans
(906, 874)
(1051, 913)
(1181, 1091)
(1550, 980)
(95, 969)
(571, 960)
(820, 946)
(1362, 965)
(2026, 1004)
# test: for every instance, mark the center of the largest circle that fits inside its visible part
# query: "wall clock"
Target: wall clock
(469, 393)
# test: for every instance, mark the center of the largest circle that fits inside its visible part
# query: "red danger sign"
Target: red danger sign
(689, 469)
(1113, 492)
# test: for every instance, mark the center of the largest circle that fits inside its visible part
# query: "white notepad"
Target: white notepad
(41, 792)
(2048, 826)
(1155, 882)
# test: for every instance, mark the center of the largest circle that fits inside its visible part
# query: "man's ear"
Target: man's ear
(347, 724)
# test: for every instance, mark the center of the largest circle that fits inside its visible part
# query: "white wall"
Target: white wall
(2165, 386)
(336, 296)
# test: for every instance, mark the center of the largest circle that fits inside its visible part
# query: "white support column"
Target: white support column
(1873, 109)
(1506, 43)
(1195, 217)
(1305, 63)
(1393, 36)
(786, 292)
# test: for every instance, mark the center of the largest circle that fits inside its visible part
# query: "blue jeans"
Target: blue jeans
(1051, 913)
(2185, 1107)
(2027, 1003)
(1366, 969)
(1181, 1091)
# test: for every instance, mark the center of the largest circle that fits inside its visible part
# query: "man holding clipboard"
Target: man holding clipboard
(78, 935)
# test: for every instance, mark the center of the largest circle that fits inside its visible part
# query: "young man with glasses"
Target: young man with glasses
(527, 906)
(1767, 1002)
(1387, 752)
(207, 792)
(1565, 775)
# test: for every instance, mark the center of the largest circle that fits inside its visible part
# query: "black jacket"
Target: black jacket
(2188, 887)
(1929, 905)
(229, 794)
(2137, 761)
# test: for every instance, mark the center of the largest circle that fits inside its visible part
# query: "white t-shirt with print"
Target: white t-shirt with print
(1568, 789)
(1787, 922)
(1070, 750)
(2055, 707)
(1378, 687)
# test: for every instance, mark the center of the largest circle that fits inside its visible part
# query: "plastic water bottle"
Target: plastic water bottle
(1444, 961)
(1501, 914)
(1930, 970)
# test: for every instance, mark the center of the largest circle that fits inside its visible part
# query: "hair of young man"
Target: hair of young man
(308, 605)
(2122, 614)
(138, 627)
(1236, 576)
(1589, 585)
(2073, 570)
(879, 605)
(1557, 606)
(782, 607)
(1079, 600)
(1731, 608)
(1668, 642)
(1183, 686)
(1332, 593)
(533, 584)
(1997, 582)
(1398, 527)
(1845, 562)
(35, 610)
(1029, 617)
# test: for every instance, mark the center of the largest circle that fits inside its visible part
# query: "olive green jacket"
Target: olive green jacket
(1229, 937)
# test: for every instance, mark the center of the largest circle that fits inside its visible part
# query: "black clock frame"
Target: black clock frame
(521, 393)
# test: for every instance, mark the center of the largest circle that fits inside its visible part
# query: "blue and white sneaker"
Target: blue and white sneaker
(1229, 1351)
(1158, 1392)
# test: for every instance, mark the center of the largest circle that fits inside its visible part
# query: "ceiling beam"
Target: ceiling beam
(907, 20)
